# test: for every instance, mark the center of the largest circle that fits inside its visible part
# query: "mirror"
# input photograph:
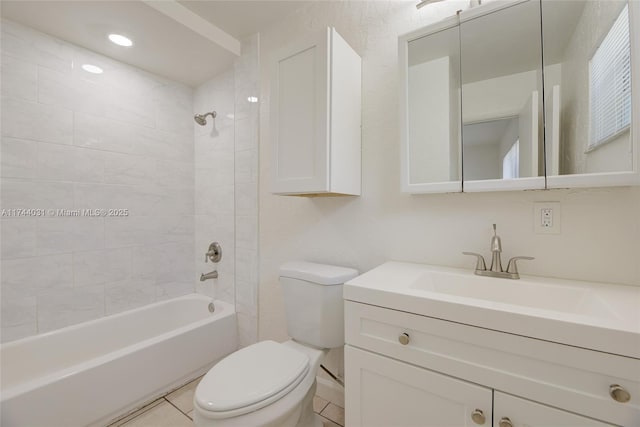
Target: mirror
(502, 135)
(522, 94)
(587, 57)
(433, 110)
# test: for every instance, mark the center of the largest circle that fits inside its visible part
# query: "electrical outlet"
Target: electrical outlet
(546, 217)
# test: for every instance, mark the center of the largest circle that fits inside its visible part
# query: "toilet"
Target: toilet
(273, 384)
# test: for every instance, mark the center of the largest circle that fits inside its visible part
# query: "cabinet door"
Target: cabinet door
(525, 413)
(299, 116)
(383, 392)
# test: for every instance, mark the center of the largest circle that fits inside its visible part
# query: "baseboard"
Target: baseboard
(331, 391)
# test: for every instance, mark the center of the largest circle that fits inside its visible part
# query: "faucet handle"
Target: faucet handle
(480, 264)
(512, 267)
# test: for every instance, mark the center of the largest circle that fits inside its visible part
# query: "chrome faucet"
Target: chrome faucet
(496, 263)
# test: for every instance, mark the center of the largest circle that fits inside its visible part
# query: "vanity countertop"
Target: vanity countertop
(596, 316)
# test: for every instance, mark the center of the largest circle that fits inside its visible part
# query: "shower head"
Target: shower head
(201, 119)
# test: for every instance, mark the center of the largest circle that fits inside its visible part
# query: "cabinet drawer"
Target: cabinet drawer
(558, 375)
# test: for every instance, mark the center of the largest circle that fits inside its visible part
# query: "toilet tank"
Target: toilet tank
(313, 302)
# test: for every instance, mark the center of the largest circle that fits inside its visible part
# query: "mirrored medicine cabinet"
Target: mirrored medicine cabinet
(522, 94)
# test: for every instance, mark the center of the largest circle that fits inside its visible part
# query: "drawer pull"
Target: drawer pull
(505, 422)
(478, 417)
(404, 338)
(619, 394)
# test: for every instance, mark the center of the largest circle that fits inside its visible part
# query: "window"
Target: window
(511, 162)
(610, 84)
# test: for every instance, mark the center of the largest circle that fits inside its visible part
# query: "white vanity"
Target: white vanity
(436, 346)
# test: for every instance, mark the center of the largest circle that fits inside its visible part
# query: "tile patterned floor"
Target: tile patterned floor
(176, 409)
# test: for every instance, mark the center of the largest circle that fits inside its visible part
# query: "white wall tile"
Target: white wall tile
(67, 234)
(35, 47)
(103, 134)
(246, 199)
(18, 238)
(128, 169)
(69, 306)
(247, 261)
(128, 294)
(213, 200)
(19, 79)
(28, 277)
(173, 290)
(173, 108)
(29, 120)
(247, 232)
(18, 318)
(246, 297)
(69, 90)
(102, 266)
(19, 158)
(67, 163)
(172, 173)
(36, 194)
(246, 166)
(131, 105)
(173, 262)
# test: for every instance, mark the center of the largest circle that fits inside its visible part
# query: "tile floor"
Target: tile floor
(176, 410)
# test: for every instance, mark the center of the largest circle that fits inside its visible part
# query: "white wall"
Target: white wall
(384, 224)
(73, 140)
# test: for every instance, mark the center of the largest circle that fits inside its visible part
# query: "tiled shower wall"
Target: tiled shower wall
(73, 140)
(214, 185)
(226, 186)
(247, 71)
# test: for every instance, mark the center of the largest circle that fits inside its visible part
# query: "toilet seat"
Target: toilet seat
(250, 379)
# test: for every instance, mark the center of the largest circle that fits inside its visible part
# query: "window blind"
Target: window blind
(610, 84)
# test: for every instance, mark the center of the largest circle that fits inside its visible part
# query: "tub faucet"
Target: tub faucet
(496, 263)
(211, 275)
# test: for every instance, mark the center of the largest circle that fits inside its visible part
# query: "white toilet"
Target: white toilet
(273, 384)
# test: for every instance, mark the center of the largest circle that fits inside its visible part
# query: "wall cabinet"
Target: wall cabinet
(404, 369)
(315, 117)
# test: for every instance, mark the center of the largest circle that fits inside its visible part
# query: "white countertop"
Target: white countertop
(596, 316)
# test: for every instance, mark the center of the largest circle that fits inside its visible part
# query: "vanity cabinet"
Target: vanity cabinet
(404, 369)
(315, 117)
(384, 392)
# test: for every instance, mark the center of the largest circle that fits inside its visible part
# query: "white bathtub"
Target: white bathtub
(91, 373)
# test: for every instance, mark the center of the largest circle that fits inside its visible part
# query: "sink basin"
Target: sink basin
(521, 292)
(597, 316)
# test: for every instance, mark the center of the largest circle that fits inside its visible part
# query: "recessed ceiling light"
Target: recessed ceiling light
(94, 69)
(252, 99)
(120, 40)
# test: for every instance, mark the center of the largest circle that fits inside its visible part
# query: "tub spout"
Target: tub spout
(210, 275)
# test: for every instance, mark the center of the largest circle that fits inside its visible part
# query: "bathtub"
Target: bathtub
(92, 373)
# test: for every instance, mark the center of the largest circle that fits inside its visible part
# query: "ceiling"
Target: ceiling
(161, 44)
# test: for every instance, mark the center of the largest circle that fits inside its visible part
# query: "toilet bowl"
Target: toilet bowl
(275, 390)
(272, 384)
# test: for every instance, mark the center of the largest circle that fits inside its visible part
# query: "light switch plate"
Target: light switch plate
(547, 218)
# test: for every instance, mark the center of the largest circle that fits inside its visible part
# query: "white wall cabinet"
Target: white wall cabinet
(315, 112)
(403, 369)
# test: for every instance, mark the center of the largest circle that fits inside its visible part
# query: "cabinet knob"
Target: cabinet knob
(478, 417)
(619, 394)
(505, 422)
(404, 338)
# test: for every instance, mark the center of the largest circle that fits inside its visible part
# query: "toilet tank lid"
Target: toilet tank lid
(321, 274)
